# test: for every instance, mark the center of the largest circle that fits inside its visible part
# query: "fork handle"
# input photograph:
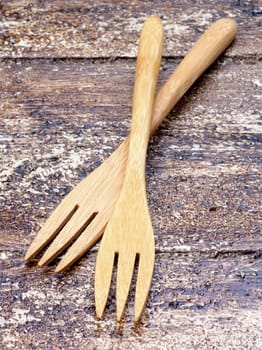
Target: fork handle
(147, 69)
(204, 52)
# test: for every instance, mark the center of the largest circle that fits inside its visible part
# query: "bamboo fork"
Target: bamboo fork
(129, 231)
(85, 211)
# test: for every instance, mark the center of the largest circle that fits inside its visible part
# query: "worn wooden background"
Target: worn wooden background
(66, 77)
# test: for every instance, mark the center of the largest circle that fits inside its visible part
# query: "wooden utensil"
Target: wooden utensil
(129, 231)
(85, 211)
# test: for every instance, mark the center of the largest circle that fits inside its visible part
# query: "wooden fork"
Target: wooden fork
(129, 231)
(85, 211)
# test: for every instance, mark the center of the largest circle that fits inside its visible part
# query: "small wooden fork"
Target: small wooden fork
(129, 231)
(83, 214)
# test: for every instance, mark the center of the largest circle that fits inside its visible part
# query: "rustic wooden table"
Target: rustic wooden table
(67, 72)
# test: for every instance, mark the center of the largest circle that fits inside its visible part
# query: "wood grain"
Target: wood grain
(206, 155)
(197, 301)
(98, 191)
(103, 29)
(63, 112)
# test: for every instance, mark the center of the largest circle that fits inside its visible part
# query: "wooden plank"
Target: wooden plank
(102, 29)
(195, 302)
(60, 119)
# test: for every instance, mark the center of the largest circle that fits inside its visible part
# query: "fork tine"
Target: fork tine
(70, 231)
(85, 241)
(144, 279)
(50, 229)
(125, 268)
(103, 276)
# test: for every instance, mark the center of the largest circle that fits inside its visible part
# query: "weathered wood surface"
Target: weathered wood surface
(204, 165)
(59, 118)
(110, 29)
(197, 302)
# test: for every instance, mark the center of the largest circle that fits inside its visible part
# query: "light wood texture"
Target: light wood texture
(204, 52)
(98, 192)
(129, 232)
